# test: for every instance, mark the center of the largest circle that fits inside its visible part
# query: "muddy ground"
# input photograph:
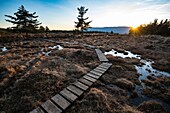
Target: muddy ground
(29, 76)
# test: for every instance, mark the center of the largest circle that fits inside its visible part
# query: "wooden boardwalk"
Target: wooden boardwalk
(62, 100)
(68, 95)
(101, 56)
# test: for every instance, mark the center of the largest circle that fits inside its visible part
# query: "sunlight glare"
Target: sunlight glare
(134, 27)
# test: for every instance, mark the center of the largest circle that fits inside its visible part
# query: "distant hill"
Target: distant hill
(120, 30)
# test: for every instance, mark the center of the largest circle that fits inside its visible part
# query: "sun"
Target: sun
(134, 27)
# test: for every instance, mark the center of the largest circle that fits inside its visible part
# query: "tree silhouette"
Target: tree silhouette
(82, 25)
(24, 20)
(47, 30)
(155, 28)
(42, 29)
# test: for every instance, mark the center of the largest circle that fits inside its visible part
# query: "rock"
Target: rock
(125, 84)
(151, 107)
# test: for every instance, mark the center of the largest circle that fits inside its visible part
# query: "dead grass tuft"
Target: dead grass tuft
(151, 107)
(96, 101)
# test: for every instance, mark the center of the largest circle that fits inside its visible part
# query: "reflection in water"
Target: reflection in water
(4, 49)
(126, 54)
(58, 47)
(144, 70)
(147, 69)
(48, 52)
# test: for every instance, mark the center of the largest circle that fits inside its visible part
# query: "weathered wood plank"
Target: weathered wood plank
(96, 73)
(97, 70)
(102, 69)
(69, 95)
(75, 90)
(101, 56)
(60, 101)
(37, 110)
(51, 107)
(101, 66)
(80, 85)
(93, 75)
(89, 78)
(106, 64)
(84, 81)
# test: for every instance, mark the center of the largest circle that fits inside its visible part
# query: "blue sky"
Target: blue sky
(61, 14)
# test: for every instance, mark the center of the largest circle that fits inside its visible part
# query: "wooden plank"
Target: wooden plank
(51, 107)
(101, 56)
(93, 75)
(69, 95)
(97, 70)
(37, 110)
(102, 69)
(106, 64)
(75, 90)
(96, 73)
(101, 66)
(89, 78)
(80, 85)
(84, 81)
(60, 101)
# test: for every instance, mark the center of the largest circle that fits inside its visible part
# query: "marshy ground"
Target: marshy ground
(31, 72)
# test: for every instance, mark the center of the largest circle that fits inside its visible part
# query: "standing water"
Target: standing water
(4, 49)
(144, 70)
(58, 47)
(122, 55)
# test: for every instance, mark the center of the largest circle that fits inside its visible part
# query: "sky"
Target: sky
(61, 14)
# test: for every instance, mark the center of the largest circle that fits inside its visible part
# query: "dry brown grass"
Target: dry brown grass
(61, 68)
(151, 107)
(95, 101)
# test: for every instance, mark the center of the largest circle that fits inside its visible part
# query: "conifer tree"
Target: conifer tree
(23, 20)
(82, 25)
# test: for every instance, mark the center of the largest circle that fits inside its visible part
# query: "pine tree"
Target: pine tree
(24, 20)
(82, 25)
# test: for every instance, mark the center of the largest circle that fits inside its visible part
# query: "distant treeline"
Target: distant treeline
(9, 30)
(154, 28)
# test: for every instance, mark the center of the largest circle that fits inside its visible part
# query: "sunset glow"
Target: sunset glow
(59, 14)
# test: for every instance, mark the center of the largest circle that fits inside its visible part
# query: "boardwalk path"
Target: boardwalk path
(62, 100)
(101, 56)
